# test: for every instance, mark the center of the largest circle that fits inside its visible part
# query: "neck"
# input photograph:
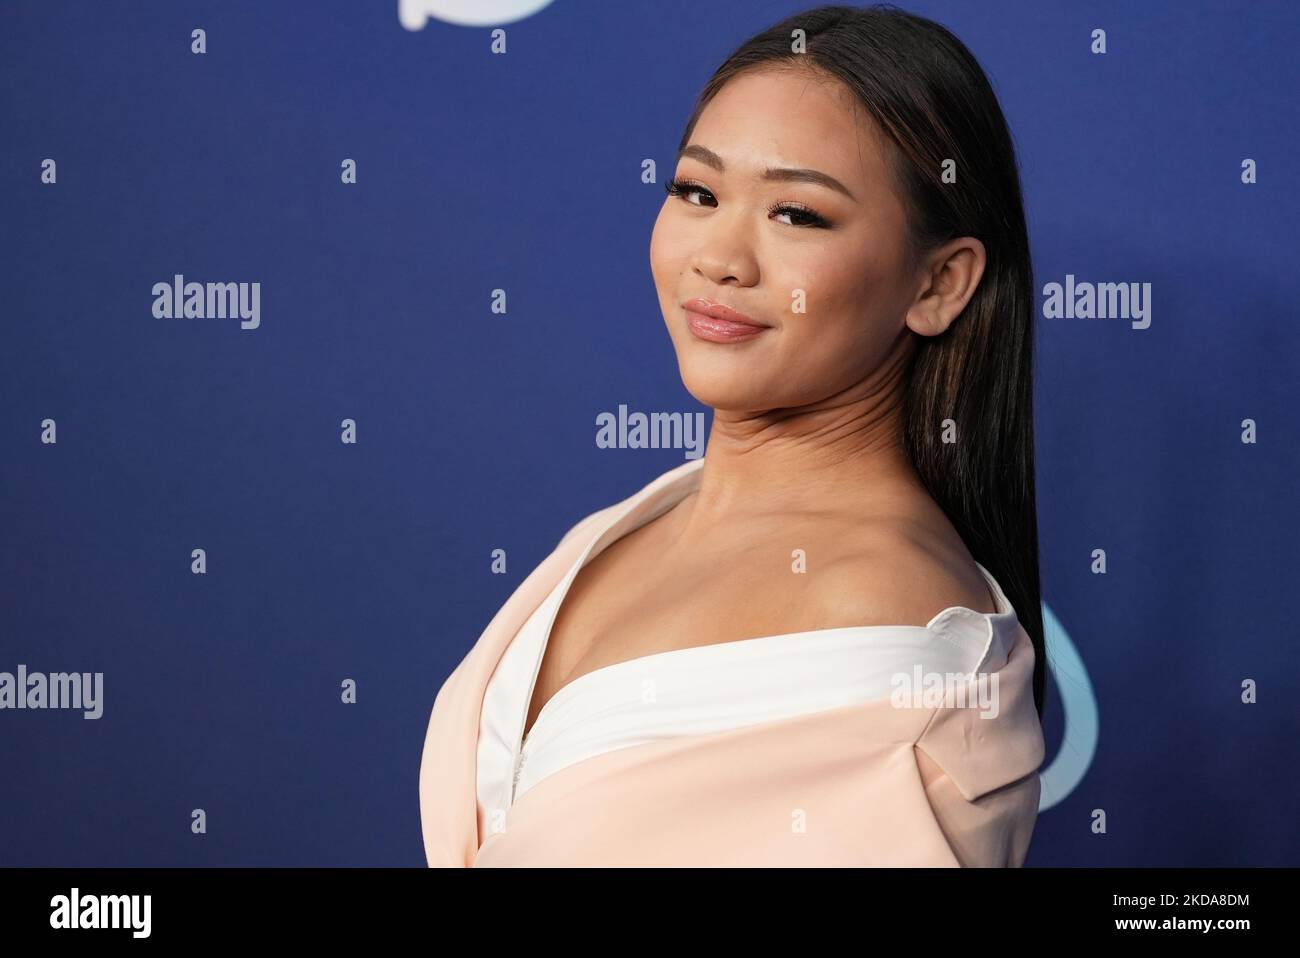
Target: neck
(845, 452)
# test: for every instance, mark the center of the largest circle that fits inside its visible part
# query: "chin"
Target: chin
(729, 392)
(728, 377)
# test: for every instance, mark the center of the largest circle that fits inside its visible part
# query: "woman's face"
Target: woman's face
(772, 246)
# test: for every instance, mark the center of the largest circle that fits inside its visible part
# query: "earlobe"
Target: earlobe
(925, 318)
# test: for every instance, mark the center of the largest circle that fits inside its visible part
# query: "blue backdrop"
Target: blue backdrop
(370, 561)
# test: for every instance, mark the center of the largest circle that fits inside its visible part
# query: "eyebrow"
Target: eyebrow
(780, 173)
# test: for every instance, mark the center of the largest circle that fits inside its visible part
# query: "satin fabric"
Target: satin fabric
(861, 785)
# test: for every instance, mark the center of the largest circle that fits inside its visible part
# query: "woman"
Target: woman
(731, 666)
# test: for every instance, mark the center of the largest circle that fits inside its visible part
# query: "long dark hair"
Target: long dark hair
(932, 100)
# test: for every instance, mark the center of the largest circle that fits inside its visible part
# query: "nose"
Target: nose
(724, 258)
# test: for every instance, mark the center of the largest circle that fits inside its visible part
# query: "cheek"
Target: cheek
(669, 265)
(847, 327)
(664, 250)
(836, 295)
(835, 280)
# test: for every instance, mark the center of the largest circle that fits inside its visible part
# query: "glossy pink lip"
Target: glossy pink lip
(718, 323)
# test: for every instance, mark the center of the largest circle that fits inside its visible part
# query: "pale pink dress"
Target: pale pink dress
(808, 748)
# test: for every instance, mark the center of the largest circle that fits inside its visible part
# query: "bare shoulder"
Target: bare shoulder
(897, 572)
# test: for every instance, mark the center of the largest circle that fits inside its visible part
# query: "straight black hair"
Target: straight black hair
(933, 102)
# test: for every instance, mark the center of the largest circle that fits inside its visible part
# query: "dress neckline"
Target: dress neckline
(993, 626)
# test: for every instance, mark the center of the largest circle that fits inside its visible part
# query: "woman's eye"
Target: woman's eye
(685, 190)
(800, 217)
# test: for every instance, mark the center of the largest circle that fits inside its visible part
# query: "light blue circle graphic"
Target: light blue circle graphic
(1079, 743)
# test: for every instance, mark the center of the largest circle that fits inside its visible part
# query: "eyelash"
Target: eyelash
(680, 187)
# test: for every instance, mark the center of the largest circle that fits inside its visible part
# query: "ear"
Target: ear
(948, 278)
